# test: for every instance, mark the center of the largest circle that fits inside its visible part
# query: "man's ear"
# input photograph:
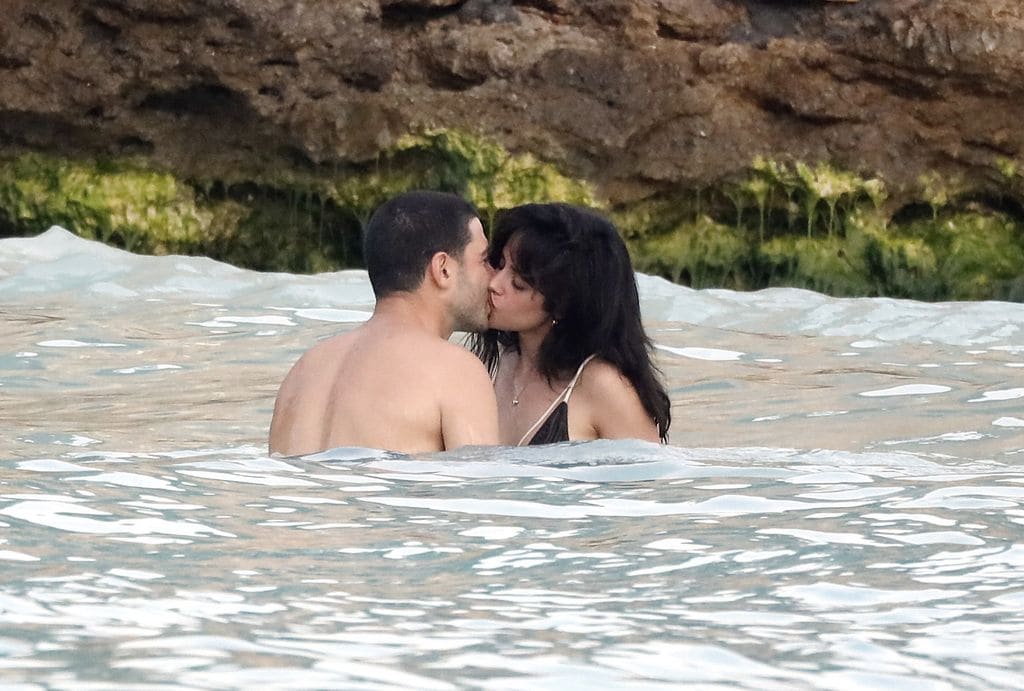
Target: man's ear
(440, 269)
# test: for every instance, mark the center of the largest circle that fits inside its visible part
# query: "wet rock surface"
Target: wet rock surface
(635, 96)
(853, 147)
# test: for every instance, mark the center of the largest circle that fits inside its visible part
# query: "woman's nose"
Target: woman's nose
(495, 283)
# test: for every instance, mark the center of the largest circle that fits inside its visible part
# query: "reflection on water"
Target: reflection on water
(841, 506)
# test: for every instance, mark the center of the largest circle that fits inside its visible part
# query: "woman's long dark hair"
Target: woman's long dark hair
(578, 262)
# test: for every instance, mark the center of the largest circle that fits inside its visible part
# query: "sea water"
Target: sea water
(841, 504)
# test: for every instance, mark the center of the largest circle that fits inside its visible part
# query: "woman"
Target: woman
(566, 348)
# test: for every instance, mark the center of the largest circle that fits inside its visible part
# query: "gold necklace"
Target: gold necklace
(515, 395)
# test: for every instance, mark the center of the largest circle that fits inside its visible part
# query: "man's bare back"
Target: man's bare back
(396, 382)
(384, 386)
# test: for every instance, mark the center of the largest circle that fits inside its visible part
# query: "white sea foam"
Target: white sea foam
(908, 390)
(234, 320)
(999, 395)
(713, 354)
(72, 343)
(334, 315)
(146, 368)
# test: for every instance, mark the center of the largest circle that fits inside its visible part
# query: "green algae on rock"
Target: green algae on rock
(701, 253)
(824, 229)
(112, 201)
(785, 224)
(303, 220)
(488, 175)
(296, 230)
(123, 203)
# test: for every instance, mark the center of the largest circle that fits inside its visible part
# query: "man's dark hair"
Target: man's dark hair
(406, 231)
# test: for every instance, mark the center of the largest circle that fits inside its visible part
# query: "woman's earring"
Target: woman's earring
(554, 322)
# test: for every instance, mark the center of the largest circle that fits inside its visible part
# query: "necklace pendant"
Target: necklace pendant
(515, 401)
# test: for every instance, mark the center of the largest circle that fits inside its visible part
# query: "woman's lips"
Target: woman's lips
(491, 310)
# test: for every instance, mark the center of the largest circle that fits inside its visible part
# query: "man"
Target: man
(396, 382)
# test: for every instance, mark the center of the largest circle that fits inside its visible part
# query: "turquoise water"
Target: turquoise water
(842, 504)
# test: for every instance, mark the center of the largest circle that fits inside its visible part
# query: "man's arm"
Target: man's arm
(469, 410)
(280, 423)
(285, 436)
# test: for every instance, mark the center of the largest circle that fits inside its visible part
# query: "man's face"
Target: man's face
(471, 295)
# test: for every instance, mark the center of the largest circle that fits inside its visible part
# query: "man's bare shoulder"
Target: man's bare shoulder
(439, 359)
(463, 359)
(330, 347)
(324, 351)
(462, 355)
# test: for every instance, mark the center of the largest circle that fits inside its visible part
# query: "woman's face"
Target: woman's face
(515, 306)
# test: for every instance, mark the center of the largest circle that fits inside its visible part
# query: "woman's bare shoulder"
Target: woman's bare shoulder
(612, 404)
(602, 378)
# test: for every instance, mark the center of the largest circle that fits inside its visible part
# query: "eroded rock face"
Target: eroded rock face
(638, 97)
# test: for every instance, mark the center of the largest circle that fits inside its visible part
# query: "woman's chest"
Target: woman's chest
(526, 407)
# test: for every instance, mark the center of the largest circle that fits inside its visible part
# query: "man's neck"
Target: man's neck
(410, 311)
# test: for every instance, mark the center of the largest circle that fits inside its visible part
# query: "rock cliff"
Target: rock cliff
(646, 103)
